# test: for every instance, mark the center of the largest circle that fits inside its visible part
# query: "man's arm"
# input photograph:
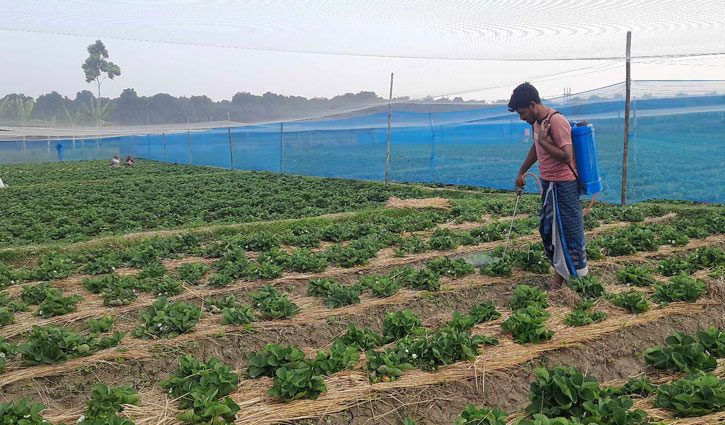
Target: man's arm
(528, 162)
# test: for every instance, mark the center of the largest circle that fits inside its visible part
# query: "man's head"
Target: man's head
(525, 101)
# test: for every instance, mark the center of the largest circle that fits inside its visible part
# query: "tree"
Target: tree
(97, 68)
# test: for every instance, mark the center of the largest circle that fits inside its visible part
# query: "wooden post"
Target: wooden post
(164, 136)
(133, 145)
(390, 113)
(628, 84)
(188, 141)
(231, 150)
(281, 146)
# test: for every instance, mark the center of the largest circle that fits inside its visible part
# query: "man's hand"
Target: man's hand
(520, 183)
(544, 132)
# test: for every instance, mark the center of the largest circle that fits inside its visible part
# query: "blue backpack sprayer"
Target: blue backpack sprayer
(587, 163)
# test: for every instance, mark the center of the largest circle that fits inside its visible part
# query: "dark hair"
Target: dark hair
(523, 95)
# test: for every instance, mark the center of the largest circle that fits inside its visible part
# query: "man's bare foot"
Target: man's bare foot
(554, 284)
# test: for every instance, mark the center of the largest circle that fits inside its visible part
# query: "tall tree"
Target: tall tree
(97, 68)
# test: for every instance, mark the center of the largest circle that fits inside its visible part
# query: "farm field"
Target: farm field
(170, 294)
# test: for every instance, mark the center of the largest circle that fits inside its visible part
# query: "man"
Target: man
(562, 225)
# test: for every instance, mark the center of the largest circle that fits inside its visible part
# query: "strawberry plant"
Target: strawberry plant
(484, 416)
(152, 271)
(694, 395)
(484, 312)
(272, 357)
(675, 266)
(680, 353)
(531, 260)
(37, 294)
(219, 280)
(22, 413)
(669, 235)
(272, 304)
(680, 288)
(7, 351)
(6, 317)
(528, 325)
(642, 387)
(167, 320)
(102, 325)
(56, 305)
(106, 402)
(381, 286)
(594, 253)
(399, 324)
(191, 273)
(413, 245)
(8, 276)
(706, 257)
(636, 275)
(614, 411)
(55, 267)
(632, 301)
(588, 286)
(539, 419)
(446, 267)
(334, 294)
(642, 238)
(49, 345)
(385, 366)
(499, 268)
(442, 240)
(167, 287)
(262, 271)
(582, 317)
(361, 338)
(338, 357)
(442, 347)
(562, 392)
(306, 261)
(524, 296)
(240, 315)
(198, 386)
(421, 280)
(216, 305)
(143, 255)
(260, 241)
(102, 263)
(713, 340)
(297, 382)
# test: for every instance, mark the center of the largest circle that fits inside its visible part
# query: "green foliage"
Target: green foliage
(562, 392)
(191, 273)
(36, 294)
(442, 240)
(706, 257)
(116, 290)
(582, 317)
(385, 366)
(272, 357)
(167, 320)
(8, 276)
(297, 383)
(632, 301)
(104, 324)
(636, 275)
(22, 413)
(6, 317)
(442, 347)
(382, 286)
(588, 286)
(675, 266)
(198, 386)
(7, 351)
(334, 294)
(413, 245)
(239, 315)
(531, 260)
(593, 253)
(273, 305)
(680, 353)
(614, 411)
(260, 241)
(680, 288)
(525, 295)
(484, 312)
(484, 416)
(669, 235)
(421, 280)
(338, 357)
(399, 324)
(528, 325)
(53, 267)
(539, 419)
(50, 345)
(642, 387)
(167, 287)
(694, 395)
(446, 267)
(216, 305)
(107, 401)
(152, 271)
(499, 268)
(362, 338)
(713, 340)
(56, 305)
(102, 263)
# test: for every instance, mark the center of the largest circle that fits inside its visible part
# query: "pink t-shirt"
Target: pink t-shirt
(551, 168)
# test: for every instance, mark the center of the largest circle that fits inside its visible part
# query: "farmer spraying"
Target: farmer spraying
(561, 225)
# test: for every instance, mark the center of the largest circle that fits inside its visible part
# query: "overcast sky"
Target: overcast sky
(324, 48)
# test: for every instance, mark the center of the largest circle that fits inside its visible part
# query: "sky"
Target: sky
(315, 48)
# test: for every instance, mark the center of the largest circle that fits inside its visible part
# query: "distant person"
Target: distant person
(59, 148)
(129, 162)
(3, 185)
(562, 225)
(115, 161)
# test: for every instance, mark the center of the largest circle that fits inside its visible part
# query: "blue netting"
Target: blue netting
(677, 144)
